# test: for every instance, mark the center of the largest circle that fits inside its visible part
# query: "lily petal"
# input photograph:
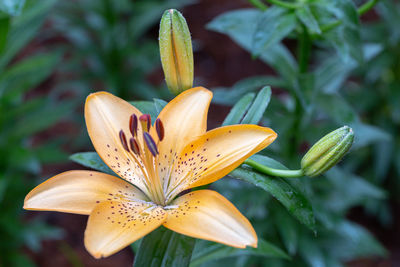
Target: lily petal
(105, 116)
(114, 225)
(208, 215)
(184, 119)
(79, 192)
(216, 153)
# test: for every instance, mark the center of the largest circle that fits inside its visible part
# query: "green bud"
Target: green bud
(176, 51)
(327, 152)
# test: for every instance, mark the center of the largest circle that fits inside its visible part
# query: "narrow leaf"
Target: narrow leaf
(91, 160)
(291, 197)
(24, 27)
(159, 105)
(240, 25)
(257, 109)
(274, 25)
(308, 19)
(239, 110)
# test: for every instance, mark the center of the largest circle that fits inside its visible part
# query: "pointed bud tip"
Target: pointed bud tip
(327, 152)
(176, 51)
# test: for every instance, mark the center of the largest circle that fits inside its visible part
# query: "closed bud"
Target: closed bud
(327, 152)
(176, 51)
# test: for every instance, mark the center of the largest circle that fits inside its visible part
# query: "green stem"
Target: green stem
(284, 4)
(304, 50)
(274, 172)
(361, 11)
(259, 4)
(366, 7)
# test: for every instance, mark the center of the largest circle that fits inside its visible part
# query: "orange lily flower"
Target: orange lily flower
(156, 164)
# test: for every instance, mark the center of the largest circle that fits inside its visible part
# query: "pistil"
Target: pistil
(146, 149)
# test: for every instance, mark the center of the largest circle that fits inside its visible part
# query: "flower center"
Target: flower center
(144, 151)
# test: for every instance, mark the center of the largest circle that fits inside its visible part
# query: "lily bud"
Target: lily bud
(176, 51)
(327, 151)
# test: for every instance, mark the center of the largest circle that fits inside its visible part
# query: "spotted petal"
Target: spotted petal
(184, 119)
(208, 215)
(113, 225)
(105, 116)
(216, 153)
(79, 192)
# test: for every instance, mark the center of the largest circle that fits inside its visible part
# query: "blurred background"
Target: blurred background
(54, 53)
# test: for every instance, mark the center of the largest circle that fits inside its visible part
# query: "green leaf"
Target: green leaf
(146, 107)
(207, 251)
(331, 74)
(308, 19)
(159, 105)
(24, 27)
(367, 134)
(312, 252)
(37, 232)
(147, 13)
(4, 27)
(12, 7)
(27, 74)
(273, 25)
(239, 110)
(288, 229)
(347, 190)
(353, 241)
(337, 108)
(163, 248)
(240, 25)
(150, 107)
(346, 37)
(42, 118)
(257, 109)
(91, 160)
(230, 96)
(291, 198)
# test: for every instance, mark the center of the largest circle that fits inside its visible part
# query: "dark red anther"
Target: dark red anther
(145, 120)
(160, 129)
(151, 145)
(122, 137)
(133, 124)
(134, 146)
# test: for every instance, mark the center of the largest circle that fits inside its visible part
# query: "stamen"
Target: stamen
(151, 145)
(160, 129)
(134, 146)
(145, 120)
(122, 137)
(133, 125)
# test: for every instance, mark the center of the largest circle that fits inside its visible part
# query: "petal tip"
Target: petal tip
(199, 89)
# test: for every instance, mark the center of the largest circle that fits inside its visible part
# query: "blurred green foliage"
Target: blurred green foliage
(110, 45)
(331, 70)
(334, 71)
(22, 116)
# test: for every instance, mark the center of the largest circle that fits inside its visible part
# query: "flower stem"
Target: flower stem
(304, 50)
(274, 172)
(284, 4)
(259, 4)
